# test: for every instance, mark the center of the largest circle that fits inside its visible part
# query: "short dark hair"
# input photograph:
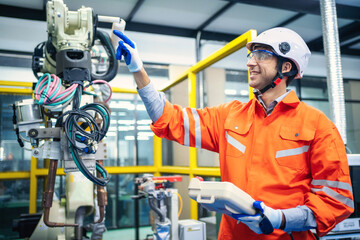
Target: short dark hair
(294, 69)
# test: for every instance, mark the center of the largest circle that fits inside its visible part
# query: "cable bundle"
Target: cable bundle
(86, 141)
(49, 92)
(104, 82)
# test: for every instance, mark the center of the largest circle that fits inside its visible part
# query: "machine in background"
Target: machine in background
(163, 201)
(66, 71)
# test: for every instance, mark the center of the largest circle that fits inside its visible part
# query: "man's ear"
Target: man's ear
(286, 67)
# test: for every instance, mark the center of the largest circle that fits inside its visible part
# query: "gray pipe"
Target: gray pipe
(333, 64)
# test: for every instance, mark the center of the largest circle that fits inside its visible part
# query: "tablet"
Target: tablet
(223, 197)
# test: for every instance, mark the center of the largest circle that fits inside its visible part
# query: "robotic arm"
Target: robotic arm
(71, 35)
(66, 63)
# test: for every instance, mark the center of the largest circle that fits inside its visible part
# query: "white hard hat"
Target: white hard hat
(286, 43)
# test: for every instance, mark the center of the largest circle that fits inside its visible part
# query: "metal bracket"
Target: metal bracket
(50, 150)
(44, 133)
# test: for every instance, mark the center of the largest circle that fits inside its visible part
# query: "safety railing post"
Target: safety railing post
(192, 151)
(33, 185)
(157, 155)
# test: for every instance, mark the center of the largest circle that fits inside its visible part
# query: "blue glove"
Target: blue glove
(127, 48)
(265, 221)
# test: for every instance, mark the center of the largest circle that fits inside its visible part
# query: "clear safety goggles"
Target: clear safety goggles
(261, 55)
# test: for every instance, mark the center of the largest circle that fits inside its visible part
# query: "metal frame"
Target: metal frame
(305, 6)
(301, 8)
(157, 169)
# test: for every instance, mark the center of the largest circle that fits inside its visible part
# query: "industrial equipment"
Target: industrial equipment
(164, 202)
(66, 67)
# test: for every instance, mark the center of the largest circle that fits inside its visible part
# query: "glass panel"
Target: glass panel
(313, 88)
(167, 146)
(236, 86)
(352, 89)
(12, 156)
(14, 200)
(167, 152)
(120, 208)
(207, 158)
(122, 130)
(121, 136)
(144, 136)
(352, 127)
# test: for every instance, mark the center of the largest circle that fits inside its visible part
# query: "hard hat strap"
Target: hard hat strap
(276, 80)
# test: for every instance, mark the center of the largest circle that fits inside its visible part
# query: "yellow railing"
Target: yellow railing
(9, 87)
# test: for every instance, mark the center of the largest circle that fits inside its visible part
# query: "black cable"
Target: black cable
(105, 124)
(77, 97)
(37, 55)
(290, 234)
(88, 174)
(71, 121)
(88, 138)
(113, 63)
(156, 209)
(21, 143)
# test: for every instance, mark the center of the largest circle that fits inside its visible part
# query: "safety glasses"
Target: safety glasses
(261, 55)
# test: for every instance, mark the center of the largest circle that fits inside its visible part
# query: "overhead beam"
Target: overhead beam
(173, 31)
(305, 6)
(23, 13)
(40, 15)
(134, 10)
(346, 32)
(290, 20)
(351, 43)
(350, 51)
(215, 16)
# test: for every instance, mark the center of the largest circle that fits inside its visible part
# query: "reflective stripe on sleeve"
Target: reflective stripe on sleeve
(292, 152)
(186, 128)
(347, 201)
(333, 184)
(197, 128)
(236, 144)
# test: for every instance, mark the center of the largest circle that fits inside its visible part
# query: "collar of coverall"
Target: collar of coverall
(291, 99)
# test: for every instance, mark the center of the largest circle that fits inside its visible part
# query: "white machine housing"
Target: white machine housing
(223, 197)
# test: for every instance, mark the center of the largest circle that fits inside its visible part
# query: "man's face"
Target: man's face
(262, 71)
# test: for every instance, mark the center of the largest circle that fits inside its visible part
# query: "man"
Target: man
(282, 152)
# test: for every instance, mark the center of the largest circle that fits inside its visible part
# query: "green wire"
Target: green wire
(89, 93)
(63, 101)
(41, 101)
(102, 110)
(41, 97)
(101, 171)
(77, 163)
(47, 87)
(57, 89)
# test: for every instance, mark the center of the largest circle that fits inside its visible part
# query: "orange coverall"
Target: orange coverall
(295, 156)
